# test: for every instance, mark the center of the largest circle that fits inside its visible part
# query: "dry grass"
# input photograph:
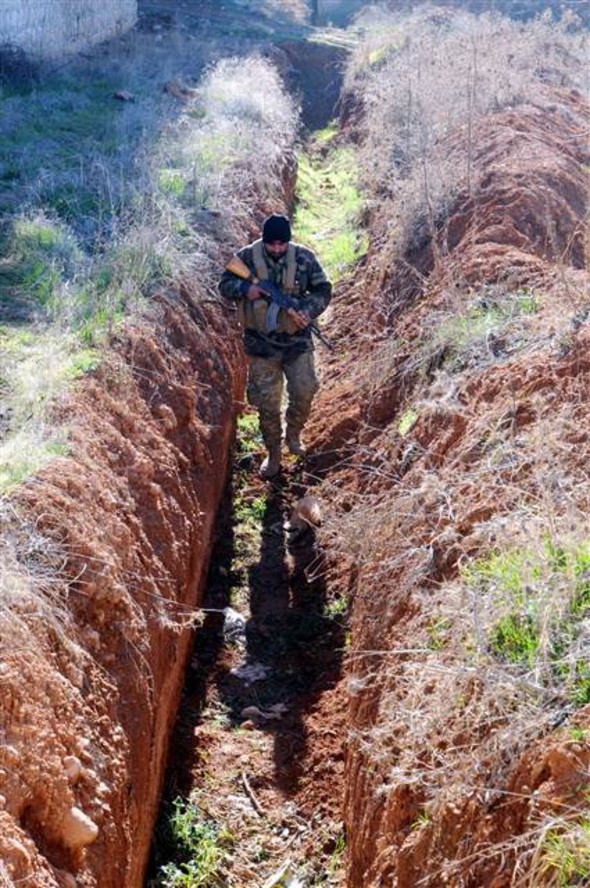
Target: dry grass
(129, 198)
(164, 211)
(438, 72)
(471, 629)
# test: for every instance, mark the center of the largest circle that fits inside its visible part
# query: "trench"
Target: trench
(253, 785)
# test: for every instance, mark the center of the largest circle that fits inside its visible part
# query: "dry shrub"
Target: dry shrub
(31, 593)
(182, 202)
(471, 634)
(434, 74)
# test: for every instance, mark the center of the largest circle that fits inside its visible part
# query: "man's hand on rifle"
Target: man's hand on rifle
(299, 318)
(255, 292)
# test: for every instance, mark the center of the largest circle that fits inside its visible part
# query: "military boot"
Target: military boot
(294, 442)
(271, 464)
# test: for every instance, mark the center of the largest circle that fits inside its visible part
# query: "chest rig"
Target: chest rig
(283, 274)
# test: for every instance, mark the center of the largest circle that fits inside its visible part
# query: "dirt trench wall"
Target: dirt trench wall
(449, 773)
(90, 692)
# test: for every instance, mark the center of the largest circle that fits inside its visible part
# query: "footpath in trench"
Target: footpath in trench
(253, 794)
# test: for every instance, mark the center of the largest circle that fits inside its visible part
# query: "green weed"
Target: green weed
(26, 452)
(82, 361)
(516, 638)
(336, 857)
(438, 633)
(249, 436)
(36, 254)
(31, 441)
(172, 182)
(327, 134)
(407, 421)
(422, 819)
(564, 855)
(199, 846)
(328, 208)
(473, 334)
(337, 607)
(249, 511)
(539, 600)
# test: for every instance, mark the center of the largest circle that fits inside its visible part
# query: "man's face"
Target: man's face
(276, 249)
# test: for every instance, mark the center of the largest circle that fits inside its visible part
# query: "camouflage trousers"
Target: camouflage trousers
(266, 377)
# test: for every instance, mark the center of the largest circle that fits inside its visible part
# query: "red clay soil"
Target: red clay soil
(448, 776)
(452, 778)
(87, 709)
(264, 759)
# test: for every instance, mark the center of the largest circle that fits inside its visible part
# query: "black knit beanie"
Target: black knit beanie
(276, 228)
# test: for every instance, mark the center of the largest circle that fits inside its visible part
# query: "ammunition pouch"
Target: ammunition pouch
(255, 317)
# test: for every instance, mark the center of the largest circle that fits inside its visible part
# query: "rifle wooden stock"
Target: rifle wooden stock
(240, 269)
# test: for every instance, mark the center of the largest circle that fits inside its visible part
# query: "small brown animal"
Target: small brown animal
(306, 514)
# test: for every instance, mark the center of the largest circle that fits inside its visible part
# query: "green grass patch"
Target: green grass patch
(58, 143)
(198, 845)
(439, 632)
(31, 441)
(337, 607)
(249, 436)
(564, 857)
(25, 453)
(460, 336)
(328, 210)
(327, 134)
(538, 601)
(171, 182)
(407, 421)
(35, 254)
(249, 510)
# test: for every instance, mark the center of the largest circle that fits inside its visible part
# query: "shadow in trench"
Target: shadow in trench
(291, 634)
(208, 648)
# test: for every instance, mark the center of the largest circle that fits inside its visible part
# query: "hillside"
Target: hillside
(421, 712)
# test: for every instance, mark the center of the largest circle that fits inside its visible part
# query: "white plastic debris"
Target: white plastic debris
(234, 625)
(284, 878)
(250, 672)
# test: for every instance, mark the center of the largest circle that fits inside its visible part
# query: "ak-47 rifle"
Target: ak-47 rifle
(277, 299)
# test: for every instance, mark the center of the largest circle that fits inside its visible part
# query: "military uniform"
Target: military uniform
(286, 353)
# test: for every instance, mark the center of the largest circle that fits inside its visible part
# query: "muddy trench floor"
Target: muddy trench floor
(258, 745)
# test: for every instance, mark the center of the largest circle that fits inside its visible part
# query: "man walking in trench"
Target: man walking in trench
(281, 350)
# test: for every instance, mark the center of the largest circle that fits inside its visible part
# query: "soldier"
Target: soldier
(285, 348)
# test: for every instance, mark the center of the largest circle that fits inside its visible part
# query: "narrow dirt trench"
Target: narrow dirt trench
(254, 785)
(257, 748)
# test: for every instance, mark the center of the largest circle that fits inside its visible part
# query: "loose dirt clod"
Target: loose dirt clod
(77, 829)
(72, 768)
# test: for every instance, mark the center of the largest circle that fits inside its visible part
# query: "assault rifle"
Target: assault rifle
(277, 299)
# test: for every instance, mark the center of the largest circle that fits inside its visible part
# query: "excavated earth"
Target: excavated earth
(93, 663)
(88, 701)
(447, 783)
(90, 698)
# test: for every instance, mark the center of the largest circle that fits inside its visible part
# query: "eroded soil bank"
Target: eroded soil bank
(430, 446)
(457, 439)
(93, 664)
(89, 707)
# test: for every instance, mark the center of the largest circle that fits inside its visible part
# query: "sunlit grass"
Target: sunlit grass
(329, 206)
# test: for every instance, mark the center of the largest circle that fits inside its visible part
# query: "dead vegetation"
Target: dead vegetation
(469, 685)
(114, 241)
